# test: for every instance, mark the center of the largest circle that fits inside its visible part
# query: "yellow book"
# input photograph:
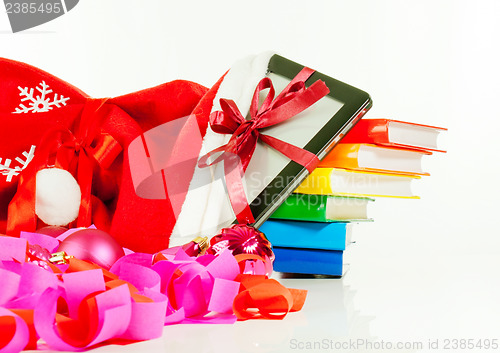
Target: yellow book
(344, 182)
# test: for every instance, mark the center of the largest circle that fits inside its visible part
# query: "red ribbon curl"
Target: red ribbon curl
(238, 152)
(79, 152)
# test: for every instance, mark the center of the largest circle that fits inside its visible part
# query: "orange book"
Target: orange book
(395, 133)
(368, 157)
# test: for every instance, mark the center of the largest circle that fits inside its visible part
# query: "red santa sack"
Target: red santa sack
(48, 124)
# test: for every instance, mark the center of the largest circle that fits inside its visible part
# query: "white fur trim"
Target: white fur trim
(58, 197)
(205, 209)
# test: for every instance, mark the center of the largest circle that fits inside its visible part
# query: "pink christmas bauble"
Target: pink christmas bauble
(93, 245)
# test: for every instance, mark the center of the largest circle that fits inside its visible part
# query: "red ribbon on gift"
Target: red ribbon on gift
(79, 152)
(238, 152)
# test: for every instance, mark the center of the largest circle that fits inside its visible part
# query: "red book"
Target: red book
(395, 133)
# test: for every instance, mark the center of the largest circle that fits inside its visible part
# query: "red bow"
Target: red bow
(60, 148)
(238, 152)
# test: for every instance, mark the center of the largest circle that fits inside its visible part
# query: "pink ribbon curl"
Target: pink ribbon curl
(98, 305)
(195, 287)
(79, 305)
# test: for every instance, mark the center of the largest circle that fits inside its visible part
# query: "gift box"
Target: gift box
(275, 143)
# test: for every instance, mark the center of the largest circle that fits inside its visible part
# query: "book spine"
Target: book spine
(303, 207)
(305, 261)
(344, 155)
(318, 183)
(378, 131)
(373, 131)
(311, 235)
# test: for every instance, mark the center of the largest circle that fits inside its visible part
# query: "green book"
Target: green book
(323, 208)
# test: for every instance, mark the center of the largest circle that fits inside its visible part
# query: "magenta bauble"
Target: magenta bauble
(93, 245)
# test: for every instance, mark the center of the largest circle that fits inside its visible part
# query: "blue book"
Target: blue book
(308, 235)
(308, 261)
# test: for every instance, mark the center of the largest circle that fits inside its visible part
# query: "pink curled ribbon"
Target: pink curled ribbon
(18, 337)
(238, 152)
(79, 305)
(99, 306)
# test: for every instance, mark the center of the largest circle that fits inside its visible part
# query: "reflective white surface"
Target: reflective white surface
(425, 269)
(330, 315)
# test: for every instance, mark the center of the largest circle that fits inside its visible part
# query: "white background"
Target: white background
(426, 269)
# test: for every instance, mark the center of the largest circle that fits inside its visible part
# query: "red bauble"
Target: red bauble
(241, 239)
(38, 255)
(93, 245)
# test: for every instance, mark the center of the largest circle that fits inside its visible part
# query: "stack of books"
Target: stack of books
(377, 158)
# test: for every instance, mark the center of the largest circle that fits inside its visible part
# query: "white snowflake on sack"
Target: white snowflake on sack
(41, 102)
(9, 171)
